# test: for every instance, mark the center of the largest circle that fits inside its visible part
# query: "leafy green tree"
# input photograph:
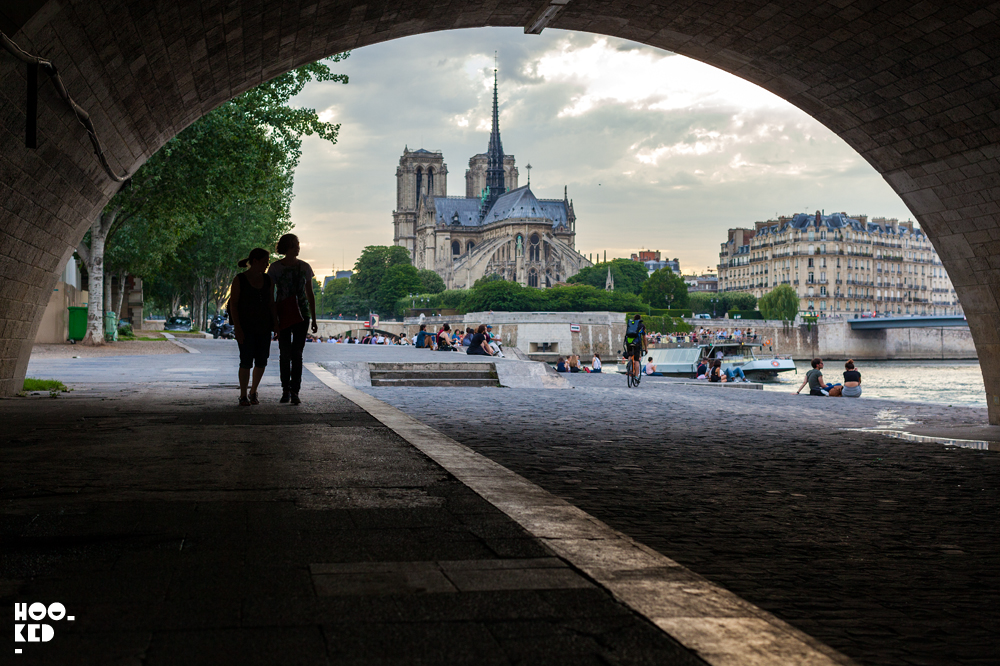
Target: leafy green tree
(741, 300)
(665, 289)
(373, 265)
(628, 275)
(492, 277)
(780, 303)
(502, 295)
(329, 301)
(399, 280)
(431, 282)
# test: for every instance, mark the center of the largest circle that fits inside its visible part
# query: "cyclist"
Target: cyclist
(635, 343)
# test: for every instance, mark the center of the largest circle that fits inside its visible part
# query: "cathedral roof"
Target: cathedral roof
(516, 204)
(522, 203)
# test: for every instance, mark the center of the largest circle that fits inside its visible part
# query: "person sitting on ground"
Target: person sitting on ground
(650, 369)
(479, 346)
(467, 340)
(421, 340)
(561, 365)
(701, 372)
(574, 363)
(444, 338)
(817, 385)
(716, 374)
(852, 381)
(595, 364)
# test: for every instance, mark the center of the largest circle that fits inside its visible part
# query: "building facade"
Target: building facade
(497, 228)
(840, 265)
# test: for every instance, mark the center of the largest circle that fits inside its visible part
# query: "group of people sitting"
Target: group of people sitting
(366, 339)
(713, 371)
(572, 364)
(851, 388)
(474, 342)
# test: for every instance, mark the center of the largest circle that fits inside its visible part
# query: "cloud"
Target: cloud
(668, 149)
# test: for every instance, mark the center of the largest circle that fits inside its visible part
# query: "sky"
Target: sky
(657, 151)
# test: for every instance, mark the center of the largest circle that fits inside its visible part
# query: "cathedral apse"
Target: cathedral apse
(497, 228)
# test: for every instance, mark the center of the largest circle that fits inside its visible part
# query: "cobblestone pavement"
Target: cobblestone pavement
(180, 529)
(886, 550)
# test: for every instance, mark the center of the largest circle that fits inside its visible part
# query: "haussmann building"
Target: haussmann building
(840, 264)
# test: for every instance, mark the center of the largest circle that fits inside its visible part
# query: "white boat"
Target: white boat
(680, 359)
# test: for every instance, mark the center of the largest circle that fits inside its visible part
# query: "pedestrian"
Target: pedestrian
(251, 308)
(595, 363)
(295, 301)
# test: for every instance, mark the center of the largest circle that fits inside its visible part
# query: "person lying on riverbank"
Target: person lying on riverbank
(852, 381)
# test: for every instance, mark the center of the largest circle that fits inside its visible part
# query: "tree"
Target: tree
(226, 179)
(628, 275)
(371, 268)
(399, 280)
(780, 303)
(332, 293)
(741, 300)
(431, 282)
(501, 295)
(725, 301)
(665, 289)
(492, 277)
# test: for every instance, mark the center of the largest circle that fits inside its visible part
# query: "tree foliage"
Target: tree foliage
(726, 301)
(431, 282)
(780, 303)
(629, 275)
(373, 265)
(661, 284)
(510, 296)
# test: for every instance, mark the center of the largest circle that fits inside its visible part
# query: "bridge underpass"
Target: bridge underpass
(876, 323)
(912, 88)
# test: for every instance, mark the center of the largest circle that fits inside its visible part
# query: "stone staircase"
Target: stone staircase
(434, 374)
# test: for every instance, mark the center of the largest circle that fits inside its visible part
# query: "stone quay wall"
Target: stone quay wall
(836, 339)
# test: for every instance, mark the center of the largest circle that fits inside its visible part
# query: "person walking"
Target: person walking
(295, 301)
(251, 308)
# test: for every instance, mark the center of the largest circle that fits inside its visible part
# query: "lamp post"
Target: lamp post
(713, 302)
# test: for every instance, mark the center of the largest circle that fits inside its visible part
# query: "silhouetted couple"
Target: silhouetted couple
(276, 298)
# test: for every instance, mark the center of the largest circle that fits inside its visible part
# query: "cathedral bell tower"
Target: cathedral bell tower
(495, 177)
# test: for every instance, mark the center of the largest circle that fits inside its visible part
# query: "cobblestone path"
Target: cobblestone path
(884, 549)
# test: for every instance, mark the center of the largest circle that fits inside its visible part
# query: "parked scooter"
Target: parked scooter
(221, 328)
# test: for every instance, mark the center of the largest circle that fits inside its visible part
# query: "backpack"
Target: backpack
(632, 331)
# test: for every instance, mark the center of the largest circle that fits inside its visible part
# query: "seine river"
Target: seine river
(943, 382)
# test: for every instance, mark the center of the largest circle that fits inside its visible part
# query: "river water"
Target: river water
(942, 382)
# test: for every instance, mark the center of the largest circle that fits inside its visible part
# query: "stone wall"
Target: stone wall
(836, 339)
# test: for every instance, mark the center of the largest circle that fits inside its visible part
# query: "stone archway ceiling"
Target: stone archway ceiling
(913, 87)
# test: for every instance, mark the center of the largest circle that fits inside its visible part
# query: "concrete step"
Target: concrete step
(431, 367)
(435, 374)
(433, 381)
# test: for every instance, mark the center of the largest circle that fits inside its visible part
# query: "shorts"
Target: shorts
(633, 351)
(255, 349)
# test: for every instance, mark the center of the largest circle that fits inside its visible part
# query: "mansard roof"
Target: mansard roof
(837, 221)
(516, 204)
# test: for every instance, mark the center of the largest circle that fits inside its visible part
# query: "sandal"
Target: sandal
(253, 399)
(244, 402)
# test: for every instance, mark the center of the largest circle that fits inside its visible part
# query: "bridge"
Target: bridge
(875, 323)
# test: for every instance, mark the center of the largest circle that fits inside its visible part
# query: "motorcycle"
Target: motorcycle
(221, 328)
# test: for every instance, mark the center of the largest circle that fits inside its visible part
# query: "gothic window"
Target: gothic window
(430, 181)
(532, 278)
(534, 251)
(456, 248)
(420, 178)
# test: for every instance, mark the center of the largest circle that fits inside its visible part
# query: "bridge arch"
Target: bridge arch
(912, 88)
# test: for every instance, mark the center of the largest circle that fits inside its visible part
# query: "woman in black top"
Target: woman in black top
(852, 381)
(479, 344)
(251, 307)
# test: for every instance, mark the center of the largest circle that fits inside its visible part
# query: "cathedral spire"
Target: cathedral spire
(495, 180)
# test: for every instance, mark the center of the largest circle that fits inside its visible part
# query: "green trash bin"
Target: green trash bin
(77, 323)
(110, 327)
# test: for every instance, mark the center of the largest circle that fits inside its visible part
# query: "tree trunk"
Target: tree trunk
(120, 295)
(93, 257)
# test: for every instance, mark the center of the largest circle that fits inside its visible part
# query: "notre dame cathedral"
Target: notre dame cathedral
(496, 228)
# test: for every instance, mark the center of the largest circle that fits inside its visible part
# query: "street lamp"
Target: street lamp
(713, 302)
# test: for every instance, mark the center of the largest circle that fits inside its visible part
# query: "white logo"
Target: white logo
(36, 632)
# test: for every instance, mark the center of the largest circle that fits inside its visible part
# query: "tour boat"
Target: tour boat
(680, 359)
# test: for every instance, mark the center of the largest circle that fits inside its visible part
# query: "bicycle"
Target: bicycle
(633, 369)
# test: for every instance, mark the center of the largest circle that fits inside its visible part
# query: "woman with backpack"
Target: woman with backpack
(251, 308)
(295, 301)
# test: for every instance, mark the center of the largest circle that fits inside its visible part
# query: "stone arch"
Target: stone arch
(927, 127)
(456, 248)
